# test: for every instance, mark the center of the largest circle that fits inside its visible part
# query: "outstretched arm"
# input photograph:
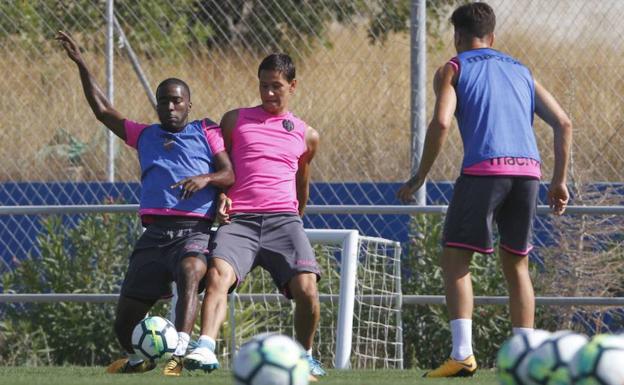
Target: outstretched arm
(547, 108)
(437, 132)
(100, 105)
(303, 172)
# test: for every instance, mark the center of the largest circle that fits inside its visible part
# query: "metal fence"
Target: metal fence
(354, 74)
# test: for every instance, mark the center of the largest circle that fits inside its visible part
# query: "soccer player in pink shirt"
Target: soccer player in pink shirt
(183, 167)
(271, 150)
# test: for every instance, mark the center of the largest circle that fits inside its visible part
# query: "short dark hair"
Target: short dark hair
(474, 19)
(175, 82)
(279, 62)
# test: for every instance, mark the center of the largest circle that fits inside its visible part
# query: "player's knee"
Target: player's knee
(303, 288)
(193, 268)
(219, 278)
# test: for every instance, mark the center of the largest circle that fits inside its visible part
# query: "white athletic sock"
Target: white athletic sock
(207, 342)
(522, 331)
(309, 352)
(134, 359)
(461, 333)
(183, 341)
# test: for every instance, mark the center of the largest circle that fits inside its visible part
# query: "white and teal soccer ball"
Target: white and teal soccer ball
(510, 360)
(271, 359)
(548, 364)
(154, 337)
(600, 362)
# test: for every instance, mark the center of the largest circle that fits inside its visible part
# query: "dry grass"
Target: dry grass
(586, 261)
(360, 104)
(355, 94)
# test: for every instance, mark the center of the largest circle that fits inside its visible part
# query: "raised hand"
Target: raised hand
(72, 49)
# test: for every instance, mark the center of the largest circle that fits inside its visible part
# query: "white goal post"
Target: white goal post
(348, 241)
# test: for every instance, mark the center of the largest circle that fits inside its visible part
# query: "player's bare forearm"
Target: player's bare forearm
(434, 141)
(223, 178)
(303, 186)
(302, 178)
(303, 193)
(437, 132)
(562, 145)
(100, 105)
(549, 110)
(95, 96)
(302, 206)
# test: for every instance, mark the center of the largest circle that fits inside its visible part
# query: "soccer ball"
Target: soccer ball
(271, 359)
(510, 360)
(154, 337)
(549, 363)
(601, 361)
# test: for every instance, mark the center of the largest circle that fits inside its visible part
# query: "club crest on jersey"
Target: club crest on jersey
(168, 143)
(288, 125)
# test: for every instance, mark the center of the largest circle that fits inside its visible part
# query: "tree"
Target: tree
(394, 17)
(162, 27)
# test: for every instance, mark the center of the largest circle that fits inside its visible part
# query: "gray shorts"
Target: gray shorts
(275, 241)
(478, 201)
(156, 256)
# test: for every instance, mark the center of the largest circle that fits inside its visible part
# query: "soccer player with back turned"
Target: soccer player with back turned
(494, 97)
(183, 165)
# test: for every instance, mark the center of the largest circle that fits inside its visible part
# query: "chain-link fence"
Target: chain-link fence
(354, 74)
(353, 66)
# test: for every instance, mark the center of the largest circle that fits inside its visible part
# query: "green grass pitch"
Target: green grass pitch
(72, 375)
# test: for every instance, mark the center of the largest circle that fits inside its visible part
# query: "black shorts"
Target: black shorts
(156, 256)
(479, 201)
(275, 241)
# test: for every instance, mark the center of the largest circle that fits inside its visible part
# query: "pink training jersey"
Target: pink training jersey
(265, 152)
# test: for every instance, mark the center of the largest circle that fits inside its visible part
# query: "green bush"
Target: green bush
(90, 257)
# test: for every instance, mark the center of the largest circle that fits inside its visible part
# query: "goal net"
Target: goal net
(360, 294)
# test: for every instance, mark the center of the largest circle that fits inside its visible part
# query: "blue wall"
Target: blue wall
(18, 233)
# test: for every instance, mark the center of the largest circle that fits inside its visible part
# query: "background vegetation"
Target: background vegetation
(89, 258)
(92, 257)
